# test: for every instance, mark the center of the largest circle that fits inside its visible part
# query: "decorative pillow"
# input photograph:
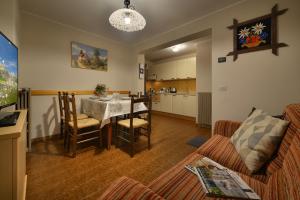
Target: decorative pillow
(275, 116)
(258, 138)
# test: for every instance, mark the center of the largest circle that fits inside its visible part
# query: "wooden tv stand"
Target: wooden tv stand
(13, 159)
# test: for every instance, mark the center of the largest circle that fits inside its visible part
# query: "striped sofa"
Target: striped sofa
(278, 180)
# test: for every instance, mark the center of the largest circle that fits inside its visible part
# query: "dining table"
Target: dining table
(104, 109)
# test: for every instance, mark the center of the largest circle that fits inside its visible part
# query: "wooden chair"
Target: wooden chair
(139, 94)
(62, 116)
(134, 126)
(79, 131)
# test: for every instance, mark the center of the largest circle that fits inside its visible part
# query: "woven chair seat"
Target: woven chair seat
(136, 123)
(84, 123)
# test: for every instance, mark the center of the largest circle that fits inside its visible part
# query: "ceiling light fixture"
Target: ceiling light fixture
(178, 47)
(127, 19)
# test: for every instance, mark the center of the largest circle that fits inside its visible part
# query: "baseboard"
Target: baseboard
(39, 139)
(193, 119)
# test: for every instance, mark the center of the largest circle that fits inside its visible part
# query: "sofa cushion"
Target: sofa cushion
(291, 114)
(257, 139)
(221, 150)
(285, 183)
(127, 188)
(226, 128)
(291, 169)
(179, 183)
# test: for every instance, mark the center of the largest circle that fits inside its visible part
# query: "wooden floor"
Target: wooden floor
(54, 176)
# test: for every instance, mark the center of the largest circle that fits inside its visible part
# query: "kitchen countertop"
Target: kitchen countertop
(156, 97)
(179, 93)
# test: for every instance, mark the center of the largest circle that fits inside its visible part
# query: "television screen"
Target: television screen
(8, 72)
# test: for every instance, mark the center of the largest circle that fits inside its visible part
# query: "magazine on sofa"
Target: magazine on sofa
(219, 181)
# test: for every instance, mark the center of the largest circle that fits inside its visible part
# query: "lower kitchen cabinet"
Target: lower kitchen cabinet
(177, 107)
(176, 104)
(156, 106)
(189, 105)
(166, 103)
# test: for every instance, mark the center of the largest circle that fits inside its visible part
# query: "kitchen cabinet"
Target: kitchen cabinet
(177, 107)
(184, 105)
(186, 68)
(177, 104)
(166, 103)
(165, 71)
(156, 106)
(189, 105)
(177, 69)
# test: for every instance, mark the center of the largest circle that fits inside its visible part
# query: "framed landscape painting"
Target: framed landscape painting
(87, 57)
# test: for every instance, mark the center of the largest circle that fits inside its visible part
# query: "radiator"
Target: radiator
(204, 109)
(24, 97)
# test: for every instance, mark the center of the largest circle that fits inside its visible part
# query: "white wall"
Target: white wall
(9, 14)
(46, 65)
(204, 68)
(256, 79)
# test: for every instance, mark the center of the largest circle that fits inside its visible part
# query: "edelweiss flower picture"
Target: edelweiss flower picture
(254, 34)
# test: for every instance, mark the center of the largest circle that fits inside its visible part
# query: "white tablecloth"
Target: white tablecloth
(104, 110)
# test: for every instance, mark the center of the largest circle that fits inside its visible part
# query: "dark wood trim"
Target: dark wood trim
(77, 92)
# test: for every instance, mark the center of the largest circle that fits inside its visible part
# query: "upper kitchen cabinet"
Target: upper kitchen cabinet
(165, 71)
(186, 68)
(176, 69)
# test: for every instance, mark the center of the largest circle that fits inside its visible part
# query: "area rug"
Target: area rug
(197, 141)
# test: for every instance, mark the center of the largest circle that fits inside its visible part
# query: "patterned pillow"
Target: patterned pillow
(258, 138)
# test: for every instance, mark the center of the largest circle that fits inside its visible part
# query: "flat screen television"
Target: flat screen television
(8, 80)
(8, 72)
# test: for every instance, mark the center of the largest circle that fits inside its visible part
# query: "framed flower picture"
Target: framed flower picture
(256, 34)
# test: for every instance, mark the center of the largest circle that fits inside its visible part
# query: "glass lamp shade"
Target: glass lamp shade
(127, 20)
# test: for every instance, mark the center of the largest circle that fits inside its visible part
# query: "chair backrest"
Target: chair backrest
(61, 105)
(147, 102)
(70, 111)
(138, 95)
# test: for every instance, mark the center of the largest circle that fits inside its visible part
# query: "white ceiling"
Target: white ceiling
(92, 15)
(189, 47)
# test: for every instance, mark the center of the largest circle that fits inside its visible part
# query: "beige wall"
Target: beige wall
(256, 79)
(46, 64)
(9, 22)
(204, 68)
